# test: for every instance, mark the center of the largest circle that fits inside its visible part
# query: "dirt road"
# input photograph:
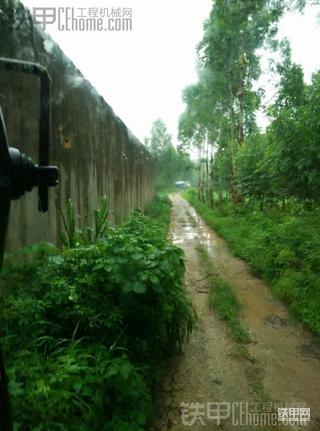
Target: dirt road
(217, 377)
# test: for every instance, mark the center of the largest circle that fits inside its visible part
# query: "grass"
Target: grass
(88, 329)
(281, 247)
(160, 210)
(223, 300)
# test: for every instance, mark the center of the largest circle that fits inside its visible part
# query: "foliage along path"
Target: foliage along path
(280, 364)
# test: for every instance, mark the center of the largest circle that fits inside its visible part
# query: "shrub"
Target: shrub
(283, 248)
(88, 328)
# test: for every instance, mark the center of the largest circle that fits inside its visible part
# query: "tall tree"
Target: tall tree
(160, 140)
(170, 164)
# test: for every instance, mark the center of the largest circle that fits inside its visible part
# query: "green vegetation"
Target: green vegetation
(170, 164)
(160, 210)
(225, 304)
(258, 189)
(281, 247)
(87, 329)
(223, 300)
(235, 157)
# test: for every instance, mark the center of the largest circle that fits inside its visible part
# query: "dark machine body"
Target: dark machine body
(18, 175)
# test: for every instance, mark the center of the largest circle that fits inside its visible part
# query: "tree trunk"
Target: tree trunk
(234, 193)
(207, 182)
(211, 192)
(240, 95)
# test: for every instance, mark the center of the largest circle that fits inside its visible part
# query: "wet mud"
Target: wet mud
(280, 367)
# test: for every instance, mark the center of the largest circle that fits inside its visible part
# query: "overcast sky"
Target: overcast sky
(142, 73)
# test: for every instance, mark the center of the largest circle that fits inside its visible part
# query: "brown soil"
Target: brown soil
(280, 365)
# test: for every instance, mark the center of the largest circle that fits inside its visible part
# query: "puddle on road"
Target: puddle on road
(190, 228)
(291, 370)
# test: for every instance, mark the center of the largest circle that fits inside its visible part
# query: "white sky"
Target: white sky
(142, 73)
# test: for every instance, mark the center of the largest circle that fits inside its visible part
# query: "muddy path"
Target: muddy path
(218, 377)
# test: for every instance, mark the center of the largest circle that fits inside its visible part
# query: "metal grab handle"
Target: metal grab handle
(23, 174)
(18, 174)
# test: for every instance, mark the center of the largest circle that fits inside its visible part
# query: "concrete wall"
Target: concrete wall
(95, 152)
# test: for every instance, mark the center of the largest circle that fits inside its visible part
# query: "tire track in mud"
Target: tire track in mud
(282, 364)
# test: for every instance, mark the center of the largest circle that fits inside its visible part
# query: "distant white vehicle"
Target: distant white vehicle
(182, 184)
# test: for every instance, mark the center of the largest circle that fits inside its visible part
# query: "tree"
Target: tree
(170, 165)
(221, 108)
(196, 127)
(160, 140)
(294, 135)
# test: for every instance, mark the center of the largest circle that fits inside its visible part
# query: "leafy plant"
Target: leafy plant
(122, 289)
(69, 237)
(223, 300)
(282, 248)
(72, 236)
